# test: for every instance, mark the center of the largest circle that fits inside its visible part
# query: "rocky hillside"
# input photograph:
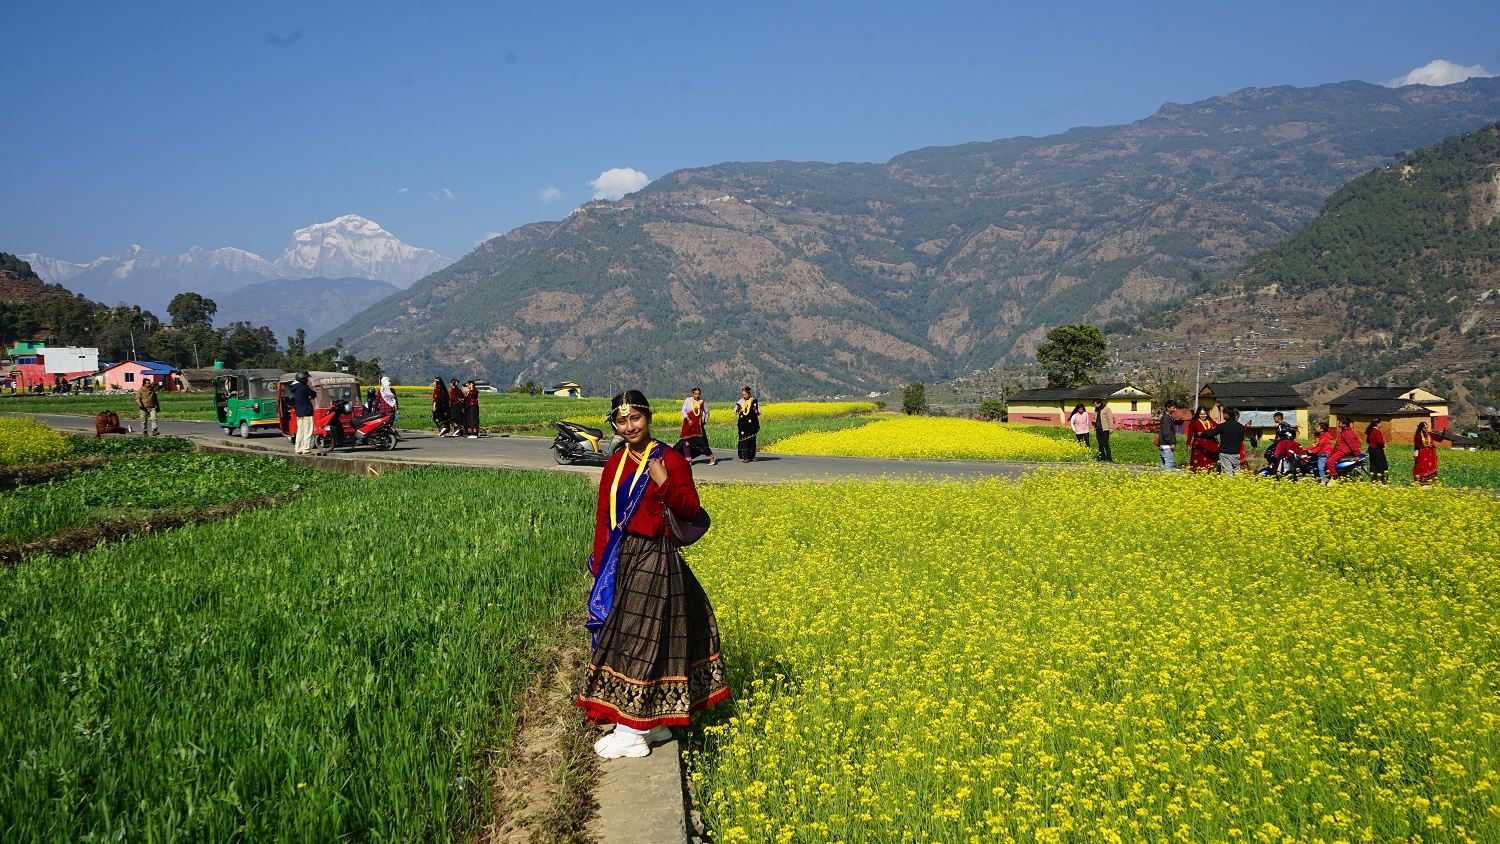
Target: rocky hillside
(1397, 281)
(807, 278)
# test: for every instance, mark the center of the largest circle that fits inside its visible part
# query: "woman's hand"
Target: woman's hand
(657, 469)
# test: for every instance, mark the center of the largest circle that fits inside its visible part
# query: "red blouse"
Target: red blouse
(456, 396)
(1376, 439)
(679, 493)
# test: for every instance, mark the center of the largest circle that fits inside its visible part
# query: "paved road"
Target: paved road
(515, 452)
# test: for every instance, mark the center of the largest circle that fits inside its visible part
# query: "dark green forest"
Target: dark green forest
(188, 339)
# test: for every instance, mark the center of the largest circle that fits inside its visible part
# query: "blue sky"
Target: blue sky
(172, 125)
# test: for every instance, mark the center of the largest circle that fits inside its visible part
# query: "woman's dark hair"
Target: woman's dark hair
(634, 398)
(1422, 426)
(746, 390)
(1374, 423)
(1077, 409)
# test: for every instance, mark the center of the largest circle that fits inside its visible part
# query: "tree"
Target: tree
(992, 409)
(914, 399)
(190, 309)
(245, 345)
(1070, 352)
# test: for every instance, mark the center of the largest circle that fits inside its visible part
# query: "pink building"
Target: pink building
(130, 374)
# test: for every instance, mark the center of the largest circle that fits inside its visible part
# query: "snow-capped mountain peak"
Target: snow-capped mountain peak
(354, 246)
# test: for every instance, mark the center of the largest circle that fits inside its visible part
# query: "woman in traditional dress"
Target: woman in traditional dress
(471, 410)
(1203, 453)
(456, 414)
(1424, 454)
(656, 656)
(1380, 468)
(1081, 423)
(747, 410)
(693, 441)
(440, 412)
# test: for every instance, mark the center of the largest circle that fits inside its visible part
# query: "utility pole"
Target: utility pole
(1197, 381)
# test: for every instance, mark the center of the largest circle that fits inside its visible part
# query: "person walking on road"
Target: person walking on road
(1104, 423)
(440, 417)
(456, 413)
(471, 410)
(694, 441)
(302, 408)
(1166, 437)
(656, 658)
(747, 412)
(150, 405)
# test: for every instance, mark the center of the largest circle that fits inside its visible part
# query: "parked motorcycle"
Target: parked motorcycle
(577, 442)
(338, 426)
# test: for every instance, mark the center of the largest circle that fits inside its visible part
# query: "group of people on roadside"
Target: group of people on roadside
(693, 441)
(1220, 446)
(1101, 422)
(455, 410)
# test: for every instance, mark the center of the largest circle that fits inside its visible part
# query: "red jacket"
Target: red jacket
(1347, 444)
(1324, 445)
(680, 494)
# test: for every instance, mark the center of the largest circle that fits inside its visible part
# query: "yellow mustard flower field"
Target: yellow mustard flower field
(24, 440)
(1103, 657)
(810, 409)
(932, 437)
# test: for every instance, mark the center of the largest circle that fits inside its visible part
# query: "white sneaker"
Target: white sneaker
(622, 744)
(659, 735)
(129, 429)
(473, 436)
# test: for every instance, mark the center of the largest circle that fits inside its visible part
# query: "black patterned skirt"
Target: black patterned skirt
(656, 660)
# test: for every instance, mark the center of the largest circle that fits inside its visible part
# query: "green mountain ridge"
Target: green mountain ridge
(813, 278)
(1396, 282)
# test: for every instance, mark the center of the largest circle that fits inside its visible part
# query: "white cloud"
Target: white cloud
(549, 193)
(1440, 72)
(402, 190)
(488, 236)
(440, 195)
(613, 184)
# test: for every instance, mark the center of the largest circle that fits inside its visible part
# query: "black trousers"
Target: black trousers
(1104, 452)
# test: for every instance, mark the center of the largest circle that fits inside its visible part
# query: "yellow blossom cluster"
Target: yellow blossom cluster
(1103, 657)
(813, 409)
(939, 438)
(24, 440)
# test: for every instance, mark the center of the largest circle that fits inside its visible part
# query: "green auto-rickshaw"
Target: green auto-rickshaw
(245, 400)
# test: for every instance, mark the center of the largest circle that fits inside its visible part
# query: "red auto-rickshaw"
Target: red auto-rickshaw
(329, 390)
(337, 419)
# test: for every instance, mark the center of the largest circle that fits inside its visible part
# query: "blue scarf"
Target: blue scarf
(628, 496)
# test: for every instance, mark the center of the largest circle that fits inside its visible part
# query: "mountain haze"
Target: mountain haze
(811, 278)
(349, 246)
